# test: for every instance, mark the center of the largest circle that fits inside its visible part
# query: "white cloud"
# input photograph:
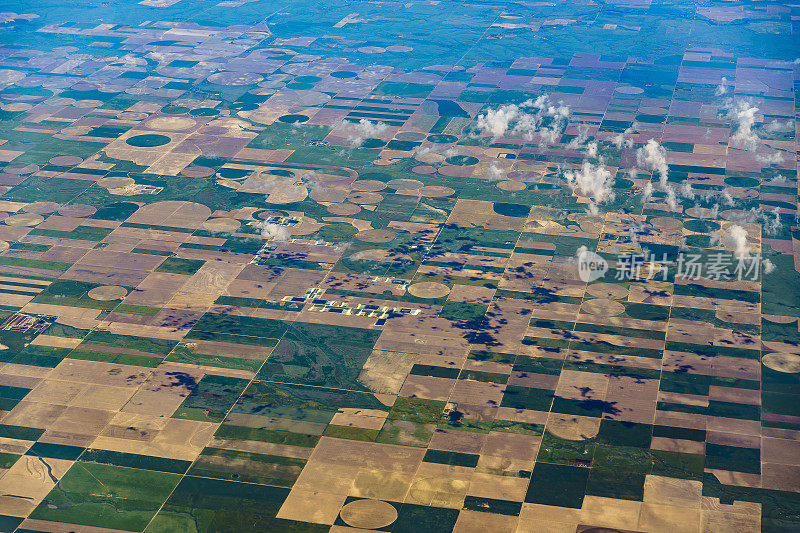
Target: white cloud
(770, 221)
(744, 117)
(777, 126)
(735, 239)
(672, 198)
(620, 141)
(591, 149)
(7, 17)
(365, 129)
(774, 158)
(652, 156)
(273, 232)
(497, 121)
(636, 229)
(371, 129)
(580, 139)
(774, 225)
(769, 266)
(722, 88)
(727, 198)
(686, 190)
(647, 192)
(527, 126)
(495, 172)
(422, 150)
(525, 120)
(593, 181)
(559, 114)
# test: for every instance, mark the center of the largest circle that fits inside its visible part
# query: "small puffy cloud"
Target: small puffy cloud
(672, 198)
(9, 17)
(652, 156)
(525, 120)
(770, 221)
(774, 158)
(780, 178)
(774, 225)
(769, 266)
(559, 114)
(727, 198)
(686, 190)
(722, 88)
(621, 141)
(495, 172)
(365, 129)
(422, 150)
(497, 121)
(580, 139)
(593, 181)
(744, 117)
(273, 232)
(776, 126)
(527, 126)
(647, 192)
(735, 239)
(371, 129)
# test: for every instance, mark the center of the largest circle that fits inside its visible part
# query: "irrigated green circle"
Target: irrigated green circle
(204, 112)
(67, 288)
(741, 181)
(442, 139)
(116, 211)
(337, 232)
(279, 172)
(243, 106)
(174, 109)
(293, 119)
(647, 311)
(701, 226)
(778, 203)
(233, 173)
(698, 241)
(300, 86)
(462, 160)
(512, 210)
(148, 140)
(307, 79)
(343, 74)
(373, 143)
